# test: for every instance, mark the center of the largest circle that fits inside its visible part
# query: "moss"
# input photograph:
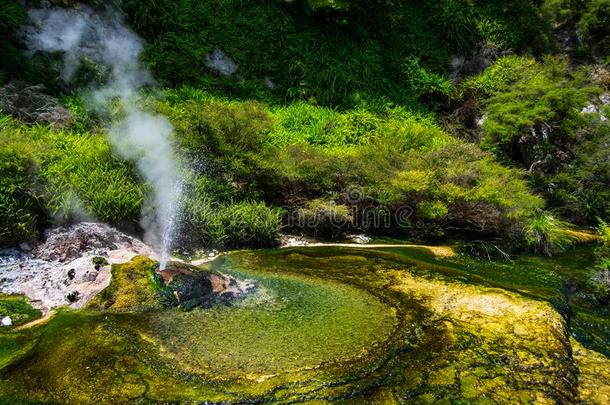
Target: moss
(393, 325)
(134, 287)
(593, 376)
(18, 308)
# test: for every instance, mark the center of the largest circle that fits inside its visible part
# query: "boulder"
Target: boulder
(33, 106)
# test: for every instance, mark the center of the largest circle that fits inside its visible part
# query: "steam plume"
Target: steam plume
(139, 136)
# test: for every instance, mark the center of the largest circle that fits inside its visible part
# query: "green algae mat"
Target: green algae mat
(387, 325)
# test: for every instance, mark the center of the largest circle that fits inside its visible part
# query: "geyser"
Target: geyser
(137, 135)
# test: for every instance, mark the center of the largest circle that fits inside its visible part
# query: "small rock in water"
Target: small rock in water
(7, 321)
(71, 274)
(73, 296)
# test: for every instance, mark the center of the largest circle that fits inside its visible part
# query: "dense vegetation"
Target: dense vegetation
(338, 116)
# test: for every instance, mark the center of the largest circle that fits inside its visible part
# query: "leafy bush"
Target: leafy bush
(248, 224)
(308, 159)
(590, 18)
(12, 15)
(595, 25)
(541, 96)
(603, 230)
(533, 116)
(423, 82)
(497, 78)
(323, 218)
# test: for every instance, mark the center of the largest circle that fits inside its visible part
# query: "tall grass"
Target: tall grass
(547, 235)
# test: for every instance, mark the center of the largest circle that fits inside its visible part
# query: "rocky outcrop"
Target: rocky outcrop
(33, 106)
(66, 268)
(193, 287)
(68, 243)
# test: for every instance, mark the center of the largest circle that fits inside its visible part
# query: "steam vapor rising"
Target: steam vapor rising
(139, 136)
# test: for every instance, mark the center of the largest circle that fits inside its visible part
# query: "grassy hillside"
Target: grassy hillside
(332, 113)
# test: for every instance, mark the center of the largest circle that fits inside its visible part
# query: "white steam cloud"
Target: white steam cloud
(139, 136)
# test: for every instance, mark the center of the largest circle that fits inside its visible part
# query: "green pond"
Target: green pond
(326, 324)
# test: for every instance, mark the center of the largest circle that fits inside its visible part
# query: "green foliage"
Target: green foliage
(581, 187)
(229, 225)
(19, 197)
(423, 82)
(603, 230)
(248, 224)
(309, 159)
(62, 175)
(85, 179)
(12, 15)
(18, 308)
(327, 52)
(545, 94)
(547, 235)
(432, 210)
(325, 218)
(497, 78)
(590, 17)
(533, 116)
(595, 25)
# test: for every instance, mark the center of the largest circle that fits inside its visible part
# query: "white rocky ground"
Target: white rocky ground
(62, 264)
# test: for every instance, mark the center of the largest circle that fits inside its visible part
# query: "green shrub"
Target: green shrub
(12, 15)
(302, 157)
(247, 224)
(498, 77)
(603, 230)
(323, 218)
(541, 96)
(84, 179)
(533, 117)
(332, 53)
(595, 25)
(423, 82)
(432, 210)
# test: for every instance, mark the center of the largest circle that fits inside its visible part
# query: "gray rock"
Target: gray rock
(90, 276)
(33, 106)
(7, 321)
(221, 63)
(25, 247)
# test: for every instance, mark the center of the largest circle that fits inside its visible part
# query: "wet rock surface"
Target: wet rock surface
(192, 287)
(139, 286)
